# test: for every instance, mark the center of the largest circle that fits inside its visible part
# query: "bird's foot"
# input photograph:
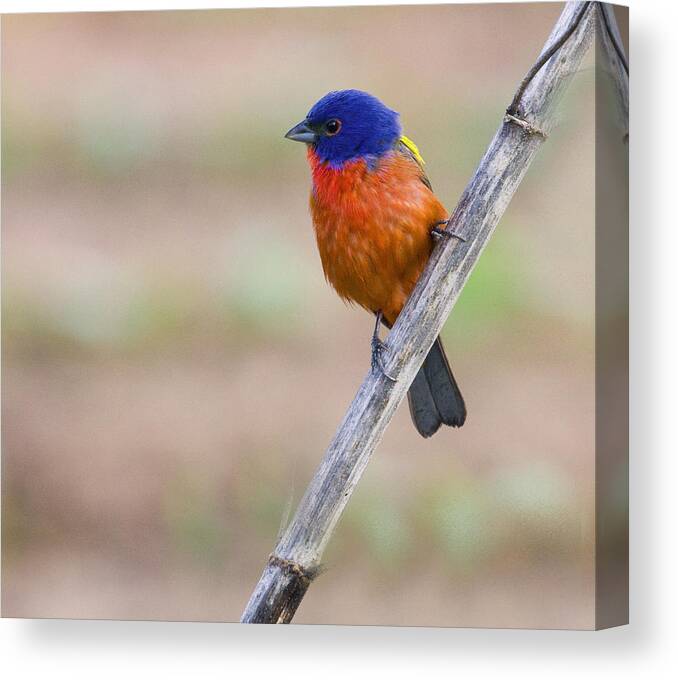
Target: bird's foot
(440, 231)
(378, 350)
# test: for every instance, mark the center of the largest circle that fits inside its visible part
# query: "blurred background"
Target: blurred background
(174, 364)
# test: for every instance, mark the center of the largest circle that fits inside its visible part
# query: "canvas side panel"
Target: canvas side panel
(612, 335)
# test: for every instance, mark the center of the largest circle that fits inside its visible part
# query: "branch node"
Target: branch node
(528, 128)
(304, 574)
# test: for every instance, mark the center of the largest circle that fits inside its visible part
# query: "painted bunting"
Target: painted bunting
(375, 214)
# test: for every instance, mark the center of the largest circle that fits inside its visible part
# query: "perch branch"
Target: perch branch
(296, 557)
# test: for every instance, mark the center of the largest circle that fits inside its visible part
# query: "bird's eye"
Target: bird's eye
(332, 127)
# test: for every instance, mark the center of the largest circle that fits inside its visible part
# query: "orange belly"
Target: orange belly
(373, 230)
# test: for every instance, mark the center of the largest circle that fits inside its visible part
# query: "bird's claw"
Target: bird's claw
(378, 350)
(440, 232)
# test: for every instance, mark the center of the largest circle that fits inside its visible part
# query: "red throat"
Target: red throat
(330, 184)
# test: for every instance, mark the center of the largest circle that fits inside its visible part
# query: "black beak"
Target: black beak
(302, 133)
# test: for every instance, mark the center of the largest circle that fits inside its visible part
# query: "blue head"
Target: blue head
(346, 125)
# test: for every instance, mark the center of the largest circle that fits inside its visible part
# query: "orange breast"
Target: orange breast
(373, 229)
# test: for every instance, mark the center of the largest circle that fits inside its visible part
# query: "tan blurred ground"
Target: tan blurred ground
(174, 364)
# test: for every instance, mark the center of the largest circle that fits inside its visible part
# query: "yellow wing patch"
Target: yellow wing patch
(413, 148)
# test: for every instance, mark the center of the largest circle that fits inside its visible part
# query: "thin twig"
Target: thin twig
(296, 557)
(514, 107)
(613, 34)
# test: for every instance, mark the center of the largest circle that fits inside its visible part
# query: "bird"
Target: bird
(376, 219)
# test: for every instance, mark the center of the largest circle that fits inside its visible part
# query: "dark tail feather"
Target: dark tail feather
(434, 396)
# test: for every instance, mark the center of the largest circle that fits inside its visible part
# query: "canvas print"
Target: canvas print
(317, 315)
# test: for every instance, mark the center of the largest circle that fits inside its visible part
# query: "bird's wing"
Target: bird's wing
(408, 148)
